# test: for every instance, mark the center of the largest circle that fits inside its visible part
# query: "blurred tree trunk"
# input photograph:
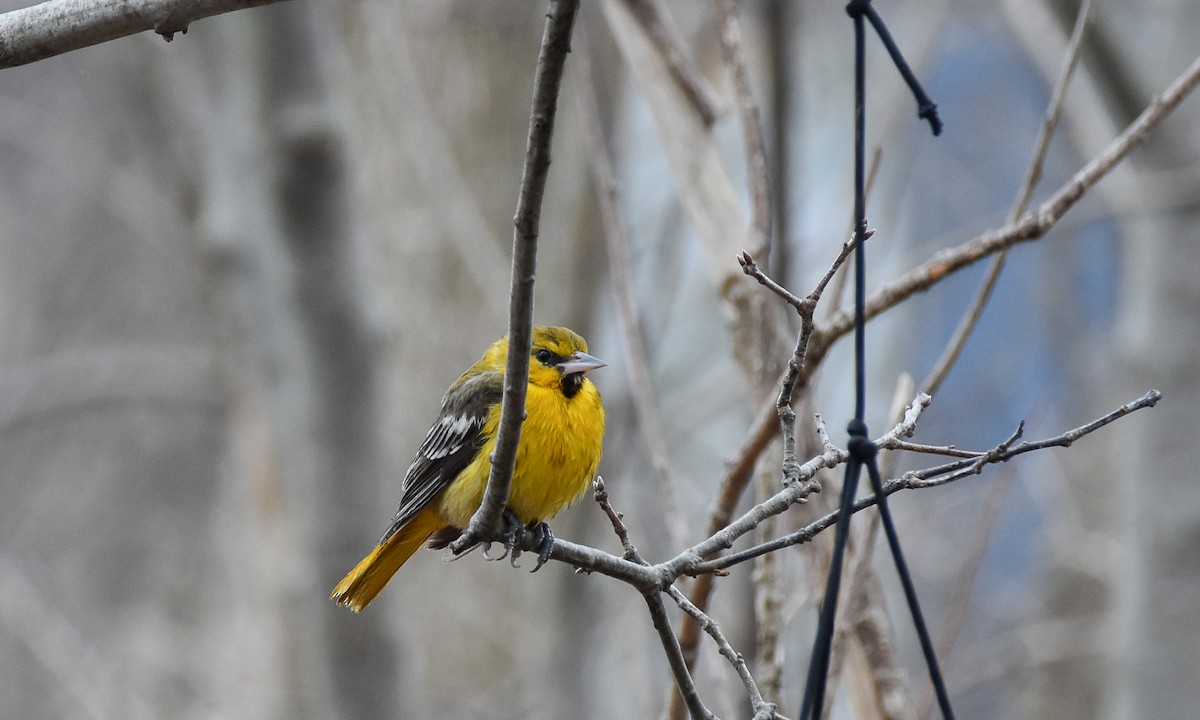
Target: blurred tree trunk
(1125, 572)
(1158, 331)
(286, 267)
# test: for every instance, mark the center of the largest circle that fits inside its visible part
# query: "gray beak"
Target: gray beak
(579, 362)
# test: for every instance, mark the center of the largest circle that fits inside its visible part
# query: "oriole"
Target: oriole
(557, 457)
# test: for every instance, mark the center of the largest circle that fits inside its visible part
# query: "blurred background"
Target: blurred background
(237, 272)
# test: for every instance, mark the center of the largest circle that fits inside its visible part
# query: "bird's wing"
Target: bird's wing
(450, 445)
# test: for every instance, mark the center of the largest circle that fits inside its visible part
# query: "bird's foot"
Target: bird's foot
(539, 533)
(512, 534)
(545, 543)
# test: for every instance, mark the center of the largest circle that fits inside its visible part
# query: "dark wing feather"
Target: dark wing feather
(449, 447)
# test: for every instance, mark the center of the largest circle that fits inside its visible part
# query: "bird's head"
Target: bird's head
(558, 357)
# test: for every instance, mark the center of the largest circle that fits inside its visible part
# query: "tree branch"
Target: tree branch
(60, 26)
(763, 710)
(1033, 175)
(676, 658)
(679, 667)
(1032, 226)
(547, 79)
(925, 478)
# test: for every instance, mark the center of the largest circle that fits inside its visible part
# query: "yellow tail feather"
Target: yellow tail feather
(369, 577)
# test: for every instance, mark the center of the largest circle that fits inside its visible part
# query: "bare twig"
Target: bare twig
(556, 43)
(805, 308)
(679, 668)
(1033, 175)
(1031, 226)
(792, 493)
(947, 450)
(600, 495)
(763, 710)
(750, 267)
(734, 483)
(925, 478)
(58, 26)
(839, 288)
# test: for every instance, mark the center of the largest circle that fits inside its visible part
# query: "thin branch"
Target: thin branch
(600, 495)
(750, 267)
(1033, 175)
(589, 559)
(839, 288)
(679, 667)
(793, 493)
(763, 710)
(734, 483)
(616, 240)
(556, 43)
(926, 478)
(59, 26)
(947, 450)
(1032, 226)
(796, 363)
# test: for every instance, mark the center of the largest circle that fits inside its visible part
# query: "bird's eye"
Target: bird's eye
(544, 356)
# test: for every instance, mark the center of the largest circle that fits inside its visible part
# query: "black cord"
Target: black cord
(910, 591)
(926, 108)
(818, 666)
(862, 451)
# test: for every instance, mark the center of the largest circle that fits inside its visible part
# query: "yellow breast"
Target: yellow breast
(557, 458)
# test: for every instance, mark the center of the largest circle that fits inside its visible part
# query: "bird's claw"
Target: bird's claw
(545, 544)
(514, 533)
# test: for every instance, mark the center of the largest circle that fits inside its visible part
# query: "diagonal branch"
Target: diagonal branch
(60, 26)
(1033, 175)
(1032, 226)
(676, 658)
(679, 666)
(925, 478)
(763, 710)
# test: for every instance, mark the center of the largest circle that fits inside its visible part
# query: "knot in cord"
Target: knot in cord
(860, 446)
(928, 111)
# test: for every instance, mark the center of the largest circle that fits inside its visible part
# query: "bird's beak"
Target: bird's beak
(579, 362)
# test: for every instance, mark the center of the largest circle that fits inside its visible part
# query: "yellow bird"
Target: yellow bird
(557, 458)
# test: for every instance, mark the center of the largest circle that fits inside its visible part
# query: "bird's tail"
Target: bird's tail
(368, 578)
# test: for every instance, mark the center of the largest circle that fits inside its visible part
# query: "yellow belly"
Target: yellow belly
(557, 458)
